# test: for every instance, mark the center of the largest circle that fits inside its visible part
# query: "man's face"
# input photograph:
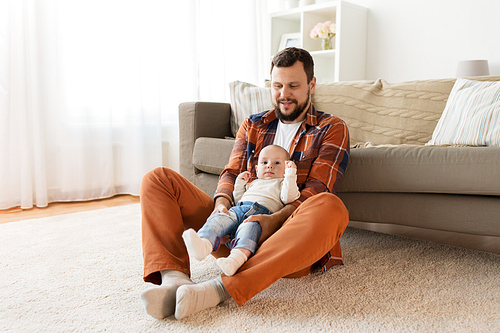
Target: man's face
(291, 92)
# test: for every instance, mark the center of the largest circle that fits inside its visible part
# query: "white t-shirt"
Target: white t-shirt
(285, 134)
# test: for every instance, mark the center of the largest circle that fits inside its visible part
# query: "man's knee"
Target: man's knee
(328, 206)
(328, 200)
(151, 176)
(156, 173)
(157, 176)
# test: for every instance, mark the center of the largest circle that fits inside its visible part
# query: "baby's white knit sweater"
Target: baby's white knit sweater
(272, 194)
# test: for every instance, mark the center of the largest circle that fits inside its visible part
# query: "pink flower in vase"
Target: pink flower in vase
(314, 31)
(323, 30)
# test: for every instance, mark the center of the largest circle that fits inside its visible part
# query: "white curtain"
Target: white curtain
(89, 90)
(233, 40)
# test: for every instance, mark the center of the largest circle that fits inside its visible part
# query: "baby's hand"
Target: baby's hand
(245, 176)
(290, 165)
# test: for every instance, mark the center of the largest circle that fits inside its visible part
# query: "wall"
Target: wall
(413, 40)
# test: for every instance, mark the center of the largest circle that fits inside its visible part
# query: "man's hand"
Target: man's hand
(271, 223)
(221, 206)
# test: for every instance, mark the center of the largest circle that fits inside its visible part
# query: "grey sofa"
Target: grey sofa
(394, 183)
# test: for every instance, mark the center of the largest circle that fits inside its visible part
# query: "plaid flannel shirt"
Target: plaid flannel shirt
(320, 149)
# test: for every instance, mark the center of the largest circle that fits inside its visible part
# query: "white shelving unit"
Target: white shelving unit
(347, 61)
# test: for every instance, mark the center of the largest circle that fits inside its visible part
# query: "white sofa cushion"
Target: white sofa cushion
(247, 99)
(471, 116)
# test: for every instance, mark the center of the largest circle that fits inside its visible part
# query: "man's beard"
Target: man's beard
(296, 113)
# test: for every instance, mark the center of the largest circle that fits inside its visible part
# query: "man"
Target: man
(302, 235)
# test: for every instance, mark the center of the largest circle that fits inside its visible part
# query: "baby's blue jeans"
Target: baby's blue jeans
(243, 235)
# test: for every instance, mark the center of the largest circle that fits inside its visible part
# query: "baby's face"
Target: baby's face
(271, 163)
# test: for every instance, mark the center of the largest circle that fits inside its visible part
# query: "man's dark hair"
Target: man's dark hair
(289, 56)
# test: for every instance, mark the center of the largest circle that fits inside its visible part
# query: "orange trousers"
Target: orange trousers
(171, 204)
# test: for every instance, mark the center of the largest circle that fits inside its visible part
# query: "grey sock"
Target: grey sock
(197, 297)
(221, 289)
(159, 302)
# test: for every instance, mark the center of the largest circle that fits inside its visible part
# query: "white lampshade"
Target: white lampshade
(473, 68)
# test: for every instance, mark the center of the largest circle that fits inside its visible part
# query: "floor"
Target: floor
(60, 208)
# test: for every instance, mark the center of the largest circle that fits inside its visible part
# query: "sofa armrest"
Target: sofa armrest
(200, 119)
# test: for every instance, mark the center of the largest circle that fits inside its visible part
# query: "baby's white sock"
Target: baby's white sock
(160, 301)
(232, 263)
(197, 247)
(196, 297)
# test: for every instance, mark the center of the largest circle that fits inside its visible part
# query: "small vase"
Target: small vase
(326, 43)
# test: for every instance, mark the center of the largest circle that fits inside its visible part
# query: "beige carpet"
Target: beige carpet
(82, 273)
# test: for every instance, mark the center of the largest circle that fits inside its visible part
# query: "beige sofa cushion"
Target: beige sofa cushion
(425, 169)
(211, 155)
(384, 113)
(375, 111)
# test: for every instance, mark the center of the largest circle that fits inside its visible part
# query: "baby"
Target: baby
(275, 186)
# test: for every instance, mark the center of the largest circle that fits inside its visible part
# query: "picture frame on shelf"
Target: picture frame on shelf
(290, 40)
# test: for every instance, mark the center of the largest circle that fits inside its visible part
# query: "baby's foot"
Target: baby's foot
(231, 264)
(197, 247)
